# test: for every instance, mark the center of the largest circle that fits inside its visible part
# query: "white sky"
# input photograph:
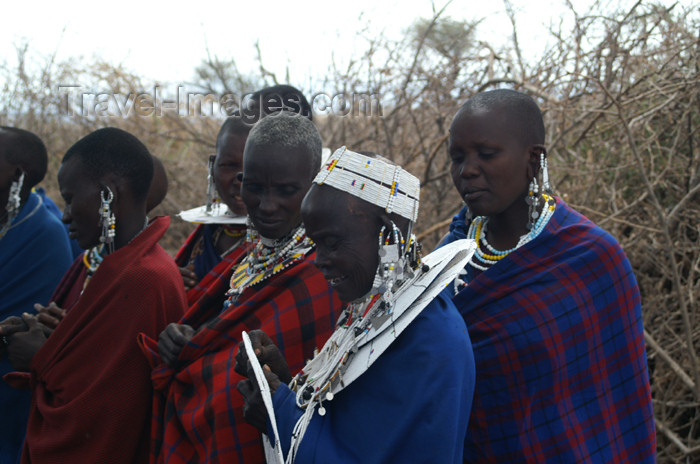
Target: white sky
(164, 41)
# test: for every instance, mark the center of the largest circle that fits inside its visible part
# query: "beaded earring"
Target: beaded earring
(468, 216)
(390, 261)
(546, 187)
(212, 194)
(533, 200)
(251, 235)
(107, 220)
(14, 201)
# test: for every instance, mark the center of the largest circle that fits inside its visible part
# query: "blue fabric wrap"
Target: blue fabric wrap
(34, 255)
(209, 257)
(411, 405)
(556, 329)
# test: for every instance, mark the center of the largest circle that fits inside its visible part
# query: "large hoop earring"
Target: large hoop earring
(107, 220)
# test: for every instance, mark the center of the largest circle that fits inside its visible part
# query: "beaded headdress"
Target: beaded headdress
(372, 180)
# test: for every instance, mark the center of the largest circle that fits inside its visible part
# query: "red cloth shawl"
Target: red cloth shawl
(198, 413)
(91, 389)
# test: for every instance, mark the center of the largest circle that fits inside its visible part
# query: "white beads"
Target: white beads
(477, 231)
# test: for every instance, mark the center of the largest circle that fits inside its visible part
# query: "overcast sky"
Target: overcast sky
(165, 42)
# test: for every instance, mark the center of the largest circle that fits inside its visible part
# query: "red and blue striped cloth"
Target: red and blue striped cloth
(212, 287)
(198, 412)
(561, 373)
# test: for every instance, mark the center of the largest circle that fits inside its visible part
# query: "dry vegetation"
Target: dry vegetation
(620, 98)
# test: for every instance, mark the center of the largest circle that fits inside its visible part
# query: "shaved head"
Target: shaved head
(25, 149)
(523, 114)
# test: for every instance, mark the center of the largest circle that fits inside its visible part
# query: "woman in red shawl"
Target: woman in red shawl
(91, 391)
(198, 415)
(208, 255)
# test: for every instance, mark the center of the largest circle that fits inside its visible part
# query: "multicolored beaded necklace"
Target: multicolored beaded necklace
(482, 260)
(92, 259)
(266, 260)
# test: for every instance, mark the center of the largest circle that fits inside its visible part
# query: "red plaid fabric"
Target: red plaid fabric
(561, 374)
(211, 289)
(198, 415)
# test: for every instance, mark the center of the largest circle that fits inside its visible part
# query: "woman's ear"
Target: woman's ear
(535, 153)
(389, 220)
(114, 185)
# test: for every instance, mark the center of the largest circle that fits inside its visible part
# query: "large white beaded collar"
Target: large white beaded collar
(353, 348)
(372, 180)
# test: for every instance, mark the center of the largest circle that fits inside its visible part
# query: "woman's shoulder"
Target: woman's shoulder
(570, 224)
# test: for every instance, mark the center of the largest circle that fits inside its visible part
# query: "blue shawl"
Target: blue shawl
(556, 328)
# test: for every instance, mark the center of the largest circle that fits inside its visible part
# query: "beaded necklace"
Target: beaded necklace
(266, 259)
(482, 260)
(367, 327)
(92, 259)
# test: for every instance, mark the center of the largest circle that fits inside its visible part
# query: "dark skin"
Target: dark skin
(491, 169)
(345, 231)
(228, 164)
(81, 194)
(274, 184)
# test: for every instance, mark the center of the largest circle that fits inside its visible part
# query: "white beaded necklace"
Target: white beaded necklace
(477, 232)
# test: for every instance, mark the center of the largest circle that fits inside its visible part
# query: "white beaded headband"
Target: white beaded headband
(372, 180)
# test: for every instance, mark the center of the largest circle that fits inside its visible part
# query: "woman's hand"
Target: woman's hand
(24, 342)
(172, 340)
(268, 355)
(50, 315)
(189, 277)
(275, 369)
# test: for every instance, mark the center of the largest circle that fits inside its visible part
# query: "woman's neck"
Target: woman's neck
(505, 229)
(128, 229)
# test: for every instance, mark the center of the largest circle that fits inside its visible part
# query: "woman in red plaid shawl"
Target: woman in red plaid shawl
(199, 414)
(551, 304)
(211, 251)
(207, 258)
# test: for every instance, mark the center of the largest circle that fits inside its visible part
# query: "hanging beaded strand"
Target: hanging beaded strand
(92, 259)
(314, 383)
(107, 220)
(546, 187)
(12, 207)
(264, 261)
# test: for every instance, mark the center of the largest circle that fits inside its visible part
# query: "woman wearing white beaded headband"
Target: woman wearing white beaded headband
(396, 344)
